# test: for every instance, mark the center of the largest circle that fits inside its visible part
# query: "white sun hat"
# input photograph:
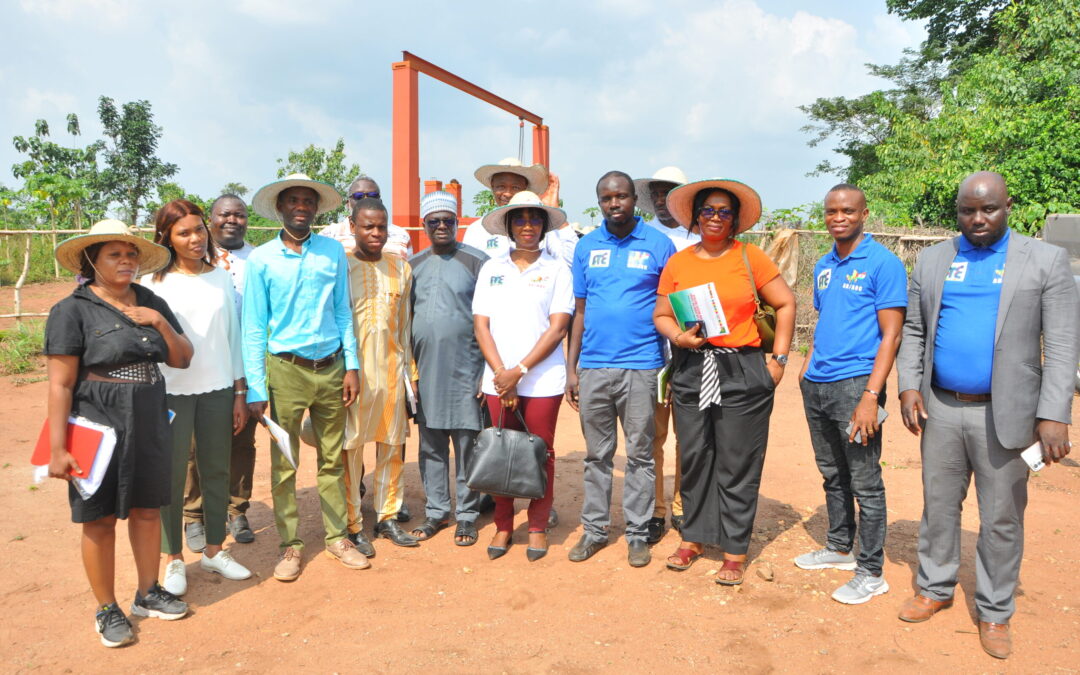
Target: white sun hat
(495, 221)
(536, 175)
(672, 175)
(265, 201)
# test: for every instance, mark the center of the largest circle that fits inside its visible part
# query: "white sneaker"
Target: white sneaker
(825, 558)
(175, 578)
(860, 589)
(224, 564)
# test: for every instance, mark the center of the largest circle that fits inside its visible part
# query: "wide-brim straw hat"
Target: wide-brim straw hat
(265, 200)
(69, 253)
(680, 201)
(536, 175)
(672, 175)
(495, 221)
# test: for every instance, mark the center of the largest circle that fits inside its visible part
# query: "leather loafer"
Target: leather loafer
(676, 522)
(403, 514)
(656, 531)
(585, 548)
(391, 530)
(362, 544)
(638, 555)
(921, 608)
(996, 639)
(240, 530)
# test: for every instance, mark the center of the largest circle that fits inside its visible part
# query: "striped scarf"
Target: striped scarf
(710, 376)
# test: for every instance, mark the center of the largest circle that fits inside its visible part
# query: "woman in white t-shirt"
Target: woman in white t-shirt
(208, 398)
(521, 311)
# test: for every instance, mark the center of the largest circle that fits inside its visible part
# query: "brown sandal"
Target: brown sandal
(686, 558)
(732, 566)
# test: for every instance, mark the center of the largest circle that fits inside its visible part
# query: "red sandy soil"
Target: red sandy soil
(442, 608)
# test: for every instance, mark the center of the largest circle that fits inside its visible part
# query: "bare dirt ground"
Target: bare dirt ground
(442, 608)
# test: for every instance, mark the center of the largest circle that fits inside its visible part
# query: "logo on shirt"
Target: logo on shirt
(539, 281)
(600, 258)
(823, 279)
(851, 281)
(638, 260)
(492, 243)
(496, 280)
(999, 276)
(958, 271)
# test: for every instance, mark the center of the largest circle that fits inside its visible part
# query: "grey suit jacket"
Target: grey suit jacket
(1036, 341)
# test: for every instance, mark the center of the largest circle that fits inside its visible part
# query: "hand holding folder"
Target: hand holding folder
(91, 446)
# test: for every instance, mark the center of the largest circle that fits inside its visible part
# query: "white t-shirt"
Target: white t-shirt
(397, 238)
(206, 310)
(679, 235)
(519, 305)
(234, 261)
(559, 244)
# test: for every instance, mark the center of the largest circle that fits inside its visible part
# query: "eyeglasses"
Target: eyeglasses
(435, 222)
(723, 214)
(522, 221)
(361, 195)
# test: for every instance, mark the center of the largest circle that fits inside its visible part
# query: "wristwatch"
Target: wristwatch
(523, 369)
(781, 359)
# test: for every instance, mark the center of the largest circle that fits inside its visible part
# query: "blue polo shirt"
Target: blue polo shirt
(848, 292)
(964, 343)
(618, 279)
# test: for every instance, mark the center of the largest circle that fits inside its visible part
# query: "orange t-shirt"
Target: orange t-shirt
(686, 270)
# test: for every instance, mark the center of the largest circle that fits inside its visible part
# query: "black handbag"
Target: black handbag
(508, 462)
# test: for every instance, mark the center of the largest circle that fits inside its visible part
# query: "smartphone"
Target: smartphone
(1033, 455)
(881, 415)
(701, 328)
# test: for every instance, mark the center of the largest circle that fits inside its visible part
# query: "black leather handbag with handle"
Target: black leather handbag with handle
(508, 462)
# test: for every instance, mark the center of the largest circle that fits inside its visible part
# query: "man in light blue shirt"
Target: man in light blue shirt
(300, 354)
(614, 356)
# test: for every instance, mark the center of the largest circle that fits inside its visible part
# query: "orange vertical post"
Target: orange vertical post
(432, 185)
(545, 145)
(454, 188)
(405, 170)
(537, 145)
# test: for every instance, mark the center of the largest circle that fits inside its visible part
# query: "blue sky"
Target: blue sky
(711, 87)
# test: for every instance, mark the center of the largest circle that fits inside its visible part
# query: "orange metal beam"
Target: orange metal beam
(432, 70)
(405, 170)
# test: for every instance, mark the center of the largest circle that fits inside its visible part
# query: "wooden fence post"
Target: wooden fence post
(22, 278)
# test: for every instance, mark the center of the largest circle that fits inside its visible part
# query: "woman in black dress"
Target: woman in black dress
(103, 344)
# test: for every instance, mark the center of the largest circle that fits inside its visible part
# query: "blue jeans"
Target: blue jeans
(851, 471)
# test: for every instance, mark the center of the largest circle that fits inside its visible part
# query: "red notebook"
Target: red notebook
(82, 442)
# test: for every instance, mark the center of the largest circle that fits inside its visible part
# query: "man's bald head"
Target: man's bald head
(982, 208)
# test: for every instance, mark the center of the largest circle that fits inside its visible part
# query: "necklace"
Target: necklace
(701, 249)
(181, 270)
(290, 235)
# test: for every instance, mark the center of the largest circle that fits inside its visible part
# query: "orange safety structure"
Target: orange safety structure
(406, 136)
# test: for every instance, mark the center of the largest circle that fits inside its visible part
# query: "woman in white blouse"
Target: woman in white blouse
(208, 399)
(521, 311)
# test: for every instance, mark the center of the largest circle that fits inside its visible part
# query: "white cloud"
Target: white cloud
(112, 12)
(293, 12)
(36, 103)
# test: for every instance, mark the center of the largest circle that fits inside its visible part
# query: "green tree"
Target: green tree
(592, 212)
(68, 174)
(133, 170)
(328, 166)
(484, 202)
(238, 189)
(168, 191)
(955, 29)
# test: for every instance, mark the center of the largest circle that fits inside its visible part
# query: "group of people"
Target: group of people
(341, 337)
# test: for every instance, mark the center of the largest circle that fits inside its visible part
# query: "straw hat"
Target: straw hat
(69, 253)
(536, 174)
(672, 175)
(265, 200)
(680, 201)
(495, 222)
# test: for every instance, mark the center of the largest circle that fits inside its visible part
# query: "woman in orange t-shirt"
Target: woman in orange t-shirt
(721, 386)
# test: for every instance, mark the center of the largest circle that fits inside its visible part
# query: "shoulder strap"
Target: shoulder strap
(750, 272)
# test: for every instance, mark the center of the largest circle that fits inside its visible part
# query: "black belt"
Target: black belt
(310, 364)
(967, 398)
(141, 372)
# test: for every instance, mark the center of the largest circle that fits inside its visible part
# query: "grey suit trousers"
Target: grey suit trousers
(959, 440)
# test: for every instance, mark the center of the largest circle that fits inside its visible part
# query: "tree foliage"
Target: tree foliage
(1011, 106)
(61, 182)
(328, 166)
(133, 170)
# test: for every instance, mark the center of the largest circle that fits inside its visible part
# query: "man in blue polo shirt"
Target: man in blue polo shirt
(614, 356)
(860, 293)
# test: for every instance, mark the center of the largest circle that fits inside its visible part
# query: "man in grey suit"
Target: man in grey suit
(985, 370)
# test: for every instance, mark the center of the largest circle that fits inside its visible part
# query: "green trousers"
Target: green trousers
(294, 389)
(208, 419)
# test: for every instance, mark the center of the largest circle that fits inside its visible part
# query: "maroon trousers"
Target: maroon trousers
(540, 413)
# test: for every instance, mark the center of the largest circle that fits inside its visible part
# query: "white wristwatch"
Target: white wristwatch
(523, 369)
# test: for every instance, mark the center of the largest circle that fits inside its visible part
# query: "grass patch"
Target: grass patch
(20, 348)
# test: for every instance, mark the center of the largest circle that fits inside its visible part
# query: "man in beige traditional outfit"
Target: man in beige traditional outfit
(380, 286)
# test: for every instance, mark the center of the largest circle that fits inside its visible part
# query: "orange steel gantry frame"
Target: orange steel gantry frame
(406, 133)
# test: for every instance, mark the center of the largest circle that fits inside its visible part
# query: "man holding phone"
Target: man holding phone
(860, 293)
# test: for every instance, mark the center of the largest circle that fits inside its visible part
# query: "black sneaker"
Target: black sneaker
(160, 604)
(113, 627)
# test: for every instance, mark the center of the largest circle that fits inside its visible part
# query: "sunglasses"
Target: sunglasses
(362, 195)
(723, 214)
(521, 221)
(435, 222)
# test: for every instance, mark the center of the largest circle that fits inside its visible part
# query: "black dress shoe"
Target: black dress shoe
(585, 548)
(553, 519)
(677, 522)
(392, 531)
(195, 533)
(656, 531)
(534, 554)
(495, 552)
(362, 544)
(403, 515)
(638, 555)
(241, 530)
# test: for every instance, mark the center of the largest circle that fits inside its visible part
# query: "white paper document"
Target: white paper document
(281, 437)
(409, 396)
